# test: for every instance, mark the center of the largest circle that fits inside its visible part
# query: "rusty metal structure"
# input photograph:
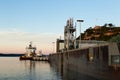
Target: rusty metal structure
(69, 35)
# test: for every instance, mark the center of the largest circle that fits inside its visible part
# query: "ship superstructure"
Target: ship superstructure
(30, 53)
(30, 50)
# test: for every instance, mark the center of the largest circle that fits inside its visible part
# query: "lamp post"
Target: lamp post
(80, 29)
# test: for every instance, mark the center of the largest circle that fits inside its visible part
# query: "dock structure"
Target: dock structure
(41, 58)
(69, 32)
(96, 59)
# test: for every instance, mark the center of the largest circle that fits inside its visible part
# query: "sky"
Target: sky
(43, 21)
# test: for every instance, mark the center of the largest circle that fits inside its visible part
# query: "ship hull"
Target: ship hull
(25, 58)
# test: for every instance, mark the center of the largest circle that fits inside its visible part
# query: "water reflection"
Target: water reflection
(68, 74)
(40, 70)
(30, 69)
(57, 70)
(73, 75)
(13, 69)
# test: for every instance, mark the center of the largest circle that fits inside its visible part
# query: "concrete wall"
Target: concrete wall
(113, 50)
(77, 61)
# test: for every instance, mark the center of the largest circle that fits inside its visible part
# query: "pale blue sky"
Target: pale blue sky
(46, 18)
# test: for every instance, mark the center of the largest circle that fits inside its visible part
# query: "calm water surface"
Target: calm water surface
(13, 69)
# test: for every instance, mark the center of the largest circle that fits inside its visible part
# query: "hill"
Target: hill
(102, 33)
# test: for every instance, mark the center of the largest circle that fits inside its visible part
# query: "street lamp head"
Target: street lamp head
(80, 20)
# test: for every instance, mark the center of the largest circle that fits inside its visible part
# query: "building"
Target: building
(59, 45)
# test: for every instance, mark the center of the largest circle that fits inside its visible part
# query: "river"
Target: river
(11, 68)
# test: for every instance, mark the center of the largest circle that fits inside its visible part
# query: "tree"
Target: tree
(115, 39)
(110, 25)
(105, 25)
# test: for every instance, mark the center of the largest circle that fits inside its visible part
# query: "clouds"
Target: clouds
(15, 40)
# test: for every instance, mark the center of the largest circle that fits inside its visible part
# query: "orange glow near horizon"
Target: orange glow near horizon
(16, 42)
(20, 49)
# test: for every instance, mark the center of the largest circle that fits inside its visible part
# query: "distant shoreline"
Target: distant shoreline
(10, 55)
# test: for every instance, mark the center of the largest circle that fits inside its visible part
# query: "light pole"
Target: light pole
(80, 30)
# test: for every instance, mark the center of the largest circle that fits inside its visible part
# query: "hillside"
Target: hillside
(103, 33)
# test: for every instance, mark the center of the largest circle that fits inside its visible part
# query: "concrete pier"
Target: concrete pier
(92, 62)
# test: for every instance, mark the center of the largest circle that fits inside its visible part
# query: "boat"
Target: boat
(30, 52)
(40, 57)
(25, 58)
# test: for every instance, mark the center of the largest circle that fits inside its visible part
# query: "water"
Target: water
(11, 68)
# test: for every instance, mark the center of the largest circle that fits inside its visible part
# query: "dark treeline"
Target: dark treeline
(10, 55)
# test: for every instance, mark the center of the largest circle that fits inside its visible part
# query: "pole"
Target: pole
(75, 36)
(80, 30)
